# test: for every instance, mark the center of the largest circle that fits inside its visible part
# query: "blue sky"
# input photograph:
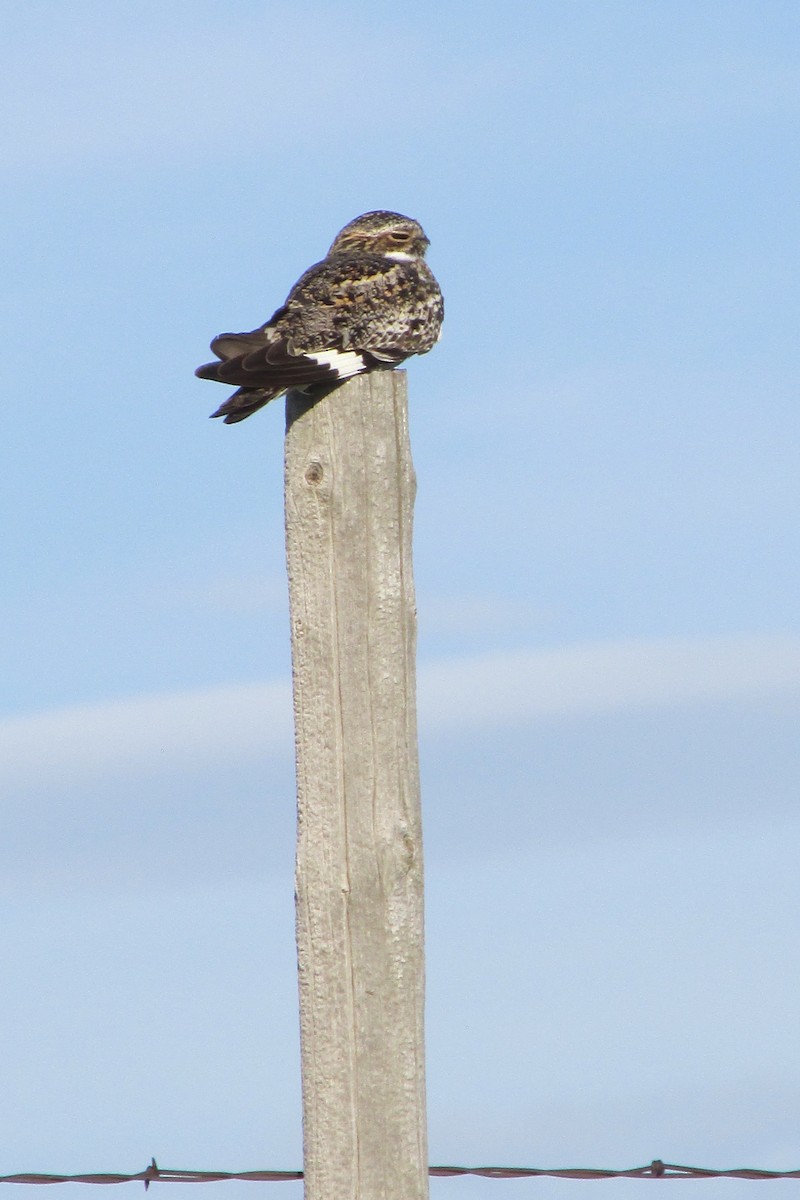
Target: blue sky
(606, 443)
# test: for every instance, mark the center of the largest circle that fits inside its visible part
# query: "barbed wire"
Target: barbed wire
(653, 1170)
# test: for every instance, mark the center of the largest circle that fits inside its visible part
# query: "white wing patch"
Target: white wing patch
(344, 362)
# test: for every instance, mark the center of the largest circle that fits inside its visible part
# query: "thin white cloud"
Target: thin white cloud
(178, 729)
(153, 87)
(161, 89)
(609, 676)
(211, 726)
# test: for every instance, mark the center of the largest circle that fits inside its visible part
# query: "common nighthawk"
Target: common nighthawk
(371, 303)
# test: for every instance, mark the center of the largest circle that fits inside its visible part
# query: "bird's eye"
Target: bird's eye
(398, 236)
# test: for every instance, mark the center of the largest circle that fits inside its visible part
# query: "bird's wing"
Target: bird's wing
(324, 332)
(275, 364)
(229, 345)
(347, 314)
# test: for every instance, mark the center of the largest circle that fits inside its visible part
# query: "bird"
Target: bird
(368, 305)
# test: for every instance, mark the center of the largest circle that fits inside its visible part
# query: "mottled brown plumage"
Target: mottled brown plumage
(368, 305)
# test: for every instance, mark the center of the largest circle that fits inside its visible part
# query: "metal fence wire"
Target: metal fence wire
(653, 1170)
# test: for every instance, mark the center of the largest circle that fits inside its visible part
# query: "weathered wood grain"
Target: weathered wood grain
(349, 508)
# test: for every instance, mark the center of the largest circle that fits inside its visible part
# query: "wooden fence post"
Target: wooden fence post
(349, 506)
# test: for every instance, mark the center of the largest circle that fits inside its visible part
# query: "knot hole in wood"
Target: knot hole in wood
(314, 473)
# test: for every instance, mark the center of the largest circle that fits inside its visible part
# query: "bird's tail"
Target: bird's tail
(244, 403)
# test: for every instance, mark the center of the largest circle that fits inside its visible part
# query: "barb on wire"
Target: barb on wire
(654, 1170)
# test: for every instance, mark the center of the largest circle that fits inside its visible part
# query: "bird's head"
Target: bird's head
(387, 233)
